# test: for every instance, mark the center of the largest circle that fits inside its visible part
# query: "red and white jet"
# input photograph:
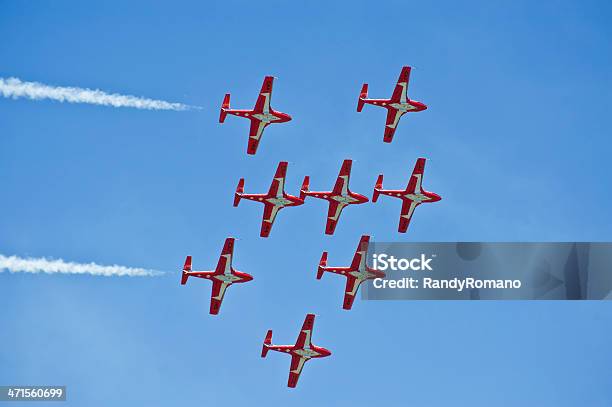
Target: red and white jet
(355, 274)
(222, 277)
(338, 198)
(301, 352)
(275, 200)
(396, 106)
(261, 116)
(411, 197)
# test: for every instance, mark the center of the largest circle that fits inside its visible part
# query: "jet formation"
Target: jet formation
(338, 198)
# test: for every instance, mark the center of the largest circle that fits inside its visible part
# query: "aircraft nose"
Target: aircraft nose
(436, 197)
(423, 106)
(327, 352)
(287, 117)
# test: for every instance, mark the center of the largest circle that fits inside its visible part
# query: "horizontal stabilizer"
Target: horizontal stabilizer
(186, 268)
(305, 187)
(363, 95)
(267, 342)
(377, 188)
(322, 265)
(239, 192)
(224, 107)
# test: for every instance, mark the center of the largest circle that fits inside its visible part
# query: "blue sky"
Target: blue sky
(517, 133)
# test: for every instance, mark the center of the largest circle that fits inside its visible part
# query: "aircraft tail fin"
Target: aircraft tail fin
(322, 265)
(186, 268)
(362, 96)
(224, 108)
(377, 188)
(267, 342)
(239, 192)
(305, 187)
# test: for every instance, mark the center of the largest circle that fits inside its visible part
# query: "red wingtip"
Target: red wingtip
(281, 170)
(215, 306)
(252, 146)
(388, 136)
(364, 242)
(345, 169)
(404, 74)
(266, 227)
(419, 166)
(266, 86)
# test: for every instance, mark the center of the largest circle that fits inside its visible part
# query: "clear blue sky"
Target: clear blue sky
(518, 137)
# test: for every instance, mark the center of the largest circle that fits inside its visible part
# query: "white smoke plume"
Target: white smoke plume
(16, 264)
(15, 88)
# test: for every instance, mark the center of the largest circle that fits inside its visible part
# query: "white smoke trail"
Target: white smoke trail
(16, 264)
(15, 88)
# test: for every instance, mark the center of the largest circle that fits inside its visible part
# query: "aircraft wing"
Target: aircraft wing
(303, 341)
(257, 128)
(224, 266)
(400, 93)
(263, 100)
(304, 338)
(352, 285)
(333, 214)
(393, 117)
(341, 186)
(218, 291)
(359, 260)
(278, 183)
(414, 185)
(270, 212)
(297, 364)
(406, 215)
